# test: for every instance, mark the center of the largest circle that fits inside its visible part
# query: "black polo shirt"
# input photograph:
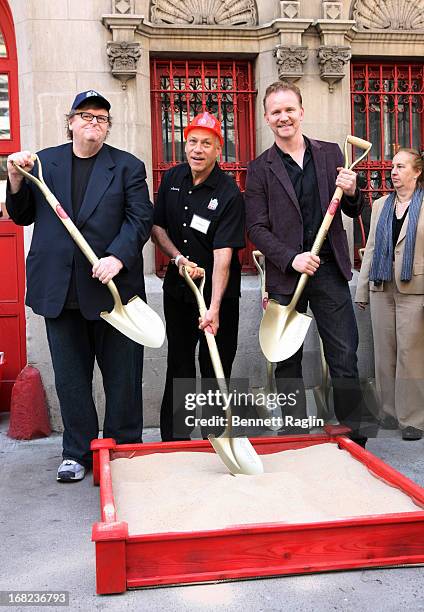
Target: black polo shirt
(305, 184)
(199, 219)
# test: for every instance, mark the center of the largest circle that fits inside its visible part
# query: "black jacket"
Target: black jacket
(115, 218)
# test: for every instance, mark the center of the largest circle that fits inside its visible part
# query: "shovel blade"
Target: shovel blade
(237, 454)
(224, 451)
(282, 331)
(247, 458)
(137, 321)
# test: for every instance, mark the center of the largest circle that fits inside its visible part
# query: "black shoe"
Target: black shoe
(389, 422)
(293, 431)
(361, 441)
(411, 433)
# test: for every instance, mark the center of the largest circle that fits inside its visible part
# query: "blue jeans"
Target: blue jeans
(74, 343)
(328, 294)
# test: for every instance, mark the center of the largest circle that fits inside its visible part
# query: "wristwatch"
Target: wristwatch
(176, 259)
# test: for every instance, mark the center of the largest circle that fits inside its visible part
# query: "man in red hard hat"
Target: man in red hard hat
(198, 222)
(207, 122)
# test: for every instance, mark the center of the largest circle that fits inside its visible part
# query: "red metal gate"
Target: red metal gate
(387, 101)
(180, 90)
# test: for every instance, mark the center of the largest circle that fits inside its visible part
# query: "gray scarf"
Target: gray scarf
(382, 262)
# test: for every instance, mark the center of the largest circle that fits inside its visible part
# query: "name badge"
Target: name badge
(200, 224)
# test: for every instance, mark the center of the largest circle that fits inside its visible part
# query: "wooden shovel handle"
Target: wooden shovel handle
(331, 211)
(210, 338)
(61, 213)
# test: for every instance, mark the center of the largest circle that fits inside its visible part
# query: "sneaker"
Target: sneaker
(70, 470)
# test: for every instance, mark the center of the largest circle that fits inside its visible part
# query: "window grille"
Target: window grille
(181, 89)
(387, 102)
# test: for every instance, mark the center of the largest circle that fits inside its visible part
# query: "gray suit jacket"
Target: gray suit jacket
(416, 285)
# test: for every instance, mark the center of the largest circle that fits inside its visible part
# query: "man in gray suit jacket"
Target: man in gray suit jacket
(288, 189)
(104, 191)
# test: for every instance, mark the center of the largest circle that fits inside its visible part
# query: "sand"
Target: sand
(181, 491)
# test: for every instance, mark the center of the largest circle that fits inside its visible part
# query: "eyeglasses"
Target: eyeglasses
(89, 117)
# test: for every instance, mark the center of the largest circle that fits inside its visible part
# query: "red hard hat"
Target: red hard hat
(207, 122)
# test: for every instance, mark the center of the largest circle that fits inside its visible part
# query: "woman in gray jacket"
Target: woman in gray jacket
(392, 281)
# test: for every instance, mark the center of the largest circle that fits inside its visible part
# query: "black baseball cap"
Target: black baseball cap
(91, 94)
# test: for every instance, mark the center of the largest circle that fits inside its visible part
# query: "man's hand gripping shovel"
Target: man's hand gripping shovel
(136, 320)
(283, 329)
(237, 454)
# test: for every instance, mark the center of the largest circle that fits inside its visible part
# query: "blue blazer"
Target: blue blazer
(115, 218)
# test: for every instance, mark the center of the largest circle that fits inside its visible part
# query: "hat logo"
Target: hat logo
(207, 121)
(91, 93)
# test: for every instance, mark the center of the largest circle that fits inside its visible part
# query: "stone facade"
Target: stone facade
(73, 45)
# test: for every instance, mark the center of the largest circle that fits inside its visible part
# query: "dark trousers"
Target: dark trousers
(183, 334)
(328, 295)
(74, 344)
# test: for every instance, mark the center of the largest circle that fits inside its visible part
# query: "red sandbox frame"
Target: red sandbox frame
(132, 561)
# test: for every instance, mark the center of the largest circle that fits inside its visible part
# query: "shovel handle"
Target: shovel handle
(197, 290)
(210, 338)
(255, 256)
(338, 194)
(331, 210)
(61, 213)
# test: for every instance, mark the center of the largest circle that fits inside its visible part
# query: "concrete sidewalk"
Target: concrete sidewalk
(45, 534)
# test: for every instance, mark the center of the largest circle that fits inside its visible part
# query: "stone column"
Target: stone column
(128, 56)
(333, 57)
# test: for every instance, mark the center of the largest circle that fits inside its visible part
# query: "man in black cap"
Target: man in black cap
(104, 191)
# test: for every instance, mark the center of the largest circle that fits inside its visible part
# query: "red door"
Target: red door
(181, 89)
(12, 314)
(12, 273)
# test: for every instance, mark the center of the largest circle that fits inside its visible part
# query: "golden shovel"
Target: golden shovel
(283, 329)
(136, 320)
(237, 454)
(321, 392)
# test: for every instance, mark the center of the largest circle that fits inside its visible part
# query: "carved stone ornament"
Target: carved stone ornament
(289, 10)
(332, 61)
(123, 58)
(290, 61)
(123, 7)
(331, 10)
(389, 14)
(204, 12)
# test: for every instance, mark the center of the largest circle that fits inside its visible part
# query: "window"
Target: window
(182, 89)
(387, 109)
